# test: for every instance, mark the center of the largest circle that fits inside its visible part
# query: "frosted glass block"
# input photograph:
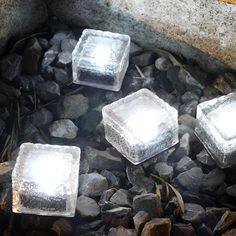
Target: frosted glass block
(100, 59)
(216, 128)
(45, 180)
(140, 125)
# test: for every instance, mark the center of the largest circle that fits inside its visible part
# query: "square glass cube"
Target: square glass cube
(45, 180)
(140, 125)
(100, 59)
(216, 128)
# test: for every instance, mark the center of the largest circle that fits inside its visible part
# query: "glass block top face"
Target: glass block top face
(221, 114)
(45, 179)
(101, 51)
(141, 116)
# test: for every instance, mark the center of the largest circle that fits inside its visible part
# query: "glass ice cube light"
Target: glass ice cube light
(45, 180)
(140, 125)
(100, 59)
(216, 128)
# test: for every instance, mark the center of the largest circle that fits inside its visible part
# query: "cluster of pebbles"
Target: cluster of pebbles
(40, 104)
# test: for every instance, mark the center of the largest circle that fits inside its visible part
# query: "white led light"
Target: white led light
(217, 130)
(140, 125)
(45, 180)
(100, 59)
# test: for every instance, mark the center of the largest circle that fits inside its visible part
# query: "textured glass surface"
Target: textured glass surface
(140, 125)
(100, 59)
(217, 130)
(45, 180)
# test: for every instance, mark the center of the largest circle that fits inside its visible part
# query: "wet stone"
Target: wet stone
(87, 207)
(121, 231)
(187, 120)
(191, 179)
(147, 202)
(194, 213)
(157, 227)
(10, 66)
(140, 219)
(64, 59)
(48, 90)
(117, 216)
(106, 196)
(71, 107)
(88, 226)
(181, 229)
(121, 197)
(186, 163)
(103, 160)
(92, 184)
(63, 128)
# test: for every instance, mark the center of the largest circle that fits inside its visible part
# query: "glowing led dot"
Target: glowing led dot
(140, 125)
(45, 180)
(216, 128)
(100, 59)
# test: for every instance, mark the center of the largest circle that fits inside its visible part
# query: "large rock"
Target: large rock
(19, 17)
(172, 25)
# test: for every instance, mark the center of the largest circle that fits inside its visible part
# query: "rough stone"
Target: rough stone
(61, 227)
(89, 122)
(71, 107)
(144, 59)
(117, 216)
(203, 230)
(187, 120)
(194, 213)
(157, 227)
(182, 34)
(103, 160)
(64, 59)
(10, 66)
(88, 226)
(231, 191)
(181, 229)
(164, 171)
(48, 90)
(92, 184)
(230, 232)
(191, 179)
(106, 196)
(140, 219)
(87, 207)
(189, 96)
(212, 180)
(19, 17)
(121, 231)
(121, 197)
(189, 108)
(205, 158)
(61, 76)
(68, 45)
(58, 37)
(31, 57)
(163, 64)
(186, 163)
(50, 56)
(149, 202)
(2, 125)
(41, 117)
(113, 181)
(5, 171)
(63, 129)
